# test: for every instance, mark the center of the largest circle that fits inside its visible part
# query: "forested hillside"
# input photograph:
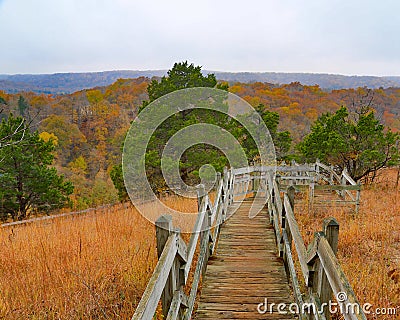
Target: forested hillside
(299, 105)
(89, 126)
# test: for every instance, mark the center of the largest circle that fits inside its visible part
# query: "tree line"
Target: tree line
(77, 139)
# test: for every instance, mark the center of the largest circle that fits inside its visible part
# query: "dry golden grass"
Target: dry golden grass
(88, 267)
(369, 243)
(97, 266)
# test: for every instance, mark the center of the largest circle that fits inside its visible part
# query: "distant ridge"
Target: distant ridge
(325, 81)
(60, 83)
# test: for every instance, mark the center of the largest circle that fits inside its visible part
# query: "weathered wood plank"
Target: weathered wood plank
(175, 308)
(297, 239)
(348, 178)
(196, 279)
(191, 248)
(164, 229)
(244, 270)
(332, 187)
(337, 278)
(221, 314)
(292, 270)
(152, 294)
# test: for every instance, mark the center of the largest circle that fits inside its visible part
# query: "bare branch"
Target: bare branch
(21, 128)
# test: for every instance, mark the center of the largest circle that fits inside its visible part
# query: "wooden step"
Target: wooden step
(244, 271)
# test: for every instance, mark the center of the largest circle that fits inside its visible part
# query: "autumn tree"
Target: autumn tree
(28, 185)
(282, 139)
(357, 142)
(70, 139)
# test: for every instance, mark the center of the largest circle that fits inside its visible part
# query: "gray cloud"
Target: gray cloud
(335, 36)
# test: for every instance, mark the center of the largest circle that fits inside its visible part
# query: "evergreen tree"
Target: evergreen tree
(22, 106)
(27, 184)
(358, 142)
(183, 76)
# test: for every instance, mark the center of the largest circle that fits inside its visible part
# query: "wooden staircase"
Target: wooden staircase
(244, 271)
(248, 265)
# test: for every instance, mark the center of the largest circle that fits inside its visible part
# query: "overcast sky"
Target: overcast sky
(323, 36)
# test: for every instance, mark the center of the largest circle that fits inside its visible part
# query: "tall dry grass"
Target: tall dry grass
(97, 266)
(88, 267)
(369, 243)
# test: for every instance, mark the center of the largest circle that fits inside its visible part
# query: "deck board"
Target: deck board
(244, 270)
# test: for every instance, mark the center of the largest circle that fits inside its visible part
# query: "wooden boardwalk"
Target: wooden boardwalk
(244, 270)
(244, 275)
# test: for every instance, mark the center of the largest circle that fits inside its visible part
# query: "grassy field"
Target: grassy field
(97, 266)
(88, 267)
(369, 243)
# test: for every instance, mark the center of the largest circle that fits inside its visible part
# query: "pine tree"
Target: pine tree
(28, 185)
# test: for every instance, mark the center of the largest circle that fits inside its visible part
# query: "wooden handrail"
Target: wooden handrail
(294, 231)
(348, 178)
(318, 259)
(176, 258)
(148, 304)
(319, 266)
(338, 183)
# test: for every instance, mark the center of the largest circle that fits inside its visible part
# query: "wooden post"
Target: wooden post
(278, 178)
(311, 191)
(290, 192)
(164, 229)
(218, 180)
(270, 193)
(331, 231)
(200, 195)
(343, 182)
(273, 195)
(256, 182)
(225, 174)
(230, 186)
(225, 192)
(285, 226)
(358, 195)
(206, 234)
(218, 184)
(223, 196)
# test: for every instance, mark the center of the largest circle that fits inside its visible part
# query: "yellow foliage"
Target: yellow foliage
(45, 136)
(94, 96)
(79, 165)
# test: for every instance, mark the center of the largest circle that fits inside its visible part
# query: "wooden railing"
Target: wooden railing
(176, 258)
(348, 190)
(319, 266)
